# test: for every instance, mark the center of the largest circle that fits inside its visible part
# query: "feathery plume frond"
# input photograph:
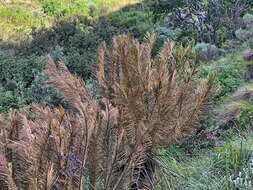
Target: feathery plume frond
(148, 103)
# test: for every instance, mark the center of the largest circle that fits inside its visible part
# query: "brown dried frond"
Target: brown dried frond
(160, 100)
(70, 86)
(160, 97)
(148, 103)
(42, 151)
(6, 180)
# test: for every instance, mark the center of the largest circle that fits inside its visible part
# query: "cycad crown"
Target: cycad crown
(148, 103)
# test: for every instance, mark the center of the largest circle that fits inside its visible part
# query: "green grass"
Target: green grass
(17, 21)
(19, 18)
(210, 169)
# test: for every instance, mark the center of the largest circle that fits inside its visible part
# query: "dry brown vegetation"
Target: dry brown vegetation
(148, 103)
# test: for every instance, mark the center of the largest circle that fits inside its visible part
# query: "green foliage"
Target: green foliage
(223, 34)
(79, 38)
(245, 176)
(229, 77)
(163, 7)
(211, 21)
(60, 8)
(230, 159)
(15, 15)
(17, 70)
(248, 19)
(19, 18)
(223, 168)
(247, 33)
(243, 35)
(94, 8)
(74, 41)
(165, 33)
(231, 46)
(10, 99)
(136, 22)
(15, 21)
(206, 52)
(22, 82)
(53, 7)
(246, 117)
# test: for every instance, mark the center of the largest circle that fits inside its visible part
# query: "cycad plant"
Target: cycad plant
(110, 143)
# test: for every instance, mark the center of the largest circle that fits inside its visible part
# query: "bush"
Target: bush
(10, 100)
(61, 8)
(206, 51)
(166, 33)
(231, 46)
(228, 78)
(223, 34)
(19, 69)
(246, 34)
(135, 22)
(76, 40)
(163, 34)
(22, 82)
(80, 37)
(243, 34)
(248, 19)
(53, 7)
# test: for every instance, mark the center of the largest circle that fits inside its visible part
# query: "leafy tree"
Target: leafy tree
(233, 11)
(203, 17)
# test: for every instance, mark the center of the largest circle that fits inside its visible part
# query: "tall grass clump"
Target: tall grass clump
(110, 143)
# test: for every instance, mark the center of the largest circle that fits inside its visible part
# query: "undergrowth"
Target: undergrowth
(209, 169)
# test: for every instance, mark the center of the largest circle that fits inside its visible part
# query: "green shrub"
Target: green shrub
(80, 37)
(166, 33)
(243, 34)
(79, 6)
(228, 78)
(78, 41)
(61, 8)
(231, 46)
(246, 34)
(8, 100)
(53, 7)
(206, 52)
(248, 19)
(19, 69)
(223, 34)
(135, 22)
(22, 82)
